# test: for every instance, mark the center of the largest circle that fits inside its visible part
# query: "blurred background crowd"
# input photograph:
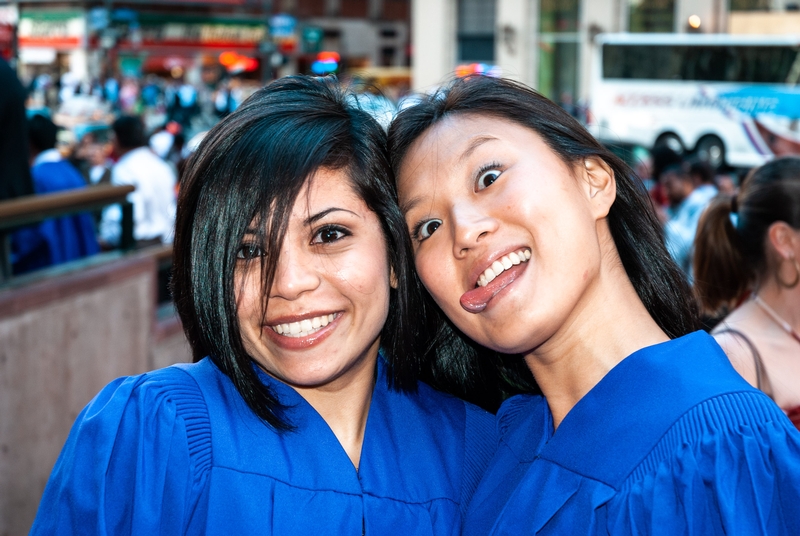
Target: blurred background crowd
(95, 95)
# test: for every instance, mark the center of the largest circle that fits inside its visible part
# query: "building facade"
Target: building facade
(97, 39)
(549, 44)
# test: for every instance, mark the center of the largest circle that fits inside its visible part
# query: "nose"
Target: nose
(470, 227)
(295, 274)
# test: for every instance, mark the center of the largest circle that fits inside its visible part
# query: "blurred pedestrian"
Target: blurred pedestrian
(746, 259)
(15, 176)
(55, 240)
(154, 198)
(686, 204)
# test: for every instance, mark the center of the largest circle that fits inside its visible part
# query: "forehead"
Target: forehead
(327, 186)
(449, 144)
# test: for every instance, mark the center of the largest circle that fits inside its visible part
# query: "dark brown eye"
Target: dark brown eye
(428, 228)
(249, 251)
(487, 178)
(329, 234)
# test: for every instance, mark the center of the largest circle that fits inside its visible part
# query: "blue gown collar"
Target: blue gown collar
(613, 427)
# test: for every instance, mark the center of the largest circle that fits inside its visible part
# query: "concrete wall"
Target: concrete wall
(62, 338)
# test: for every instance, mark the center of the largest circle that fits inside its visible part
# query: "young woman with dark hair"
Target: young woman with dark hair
(536, 242)
(746, 263)
(302, 413)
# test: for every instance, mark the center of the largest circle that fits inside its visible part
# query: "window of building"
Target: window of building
(750, 5)
(651, 15)
(559, 50)
(476, 20)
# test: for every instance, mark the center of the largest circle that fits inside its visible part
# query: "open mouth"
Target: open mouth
(305, 327)
(502, 264)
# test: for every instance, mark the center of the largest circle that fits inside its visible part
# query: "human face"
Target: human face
(676, 186)
(505, 233)
(330, 294)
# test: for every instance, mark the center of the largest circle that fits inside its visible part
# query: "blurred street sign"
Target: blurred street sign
(312, 39)
(282, 26)
(98, 18)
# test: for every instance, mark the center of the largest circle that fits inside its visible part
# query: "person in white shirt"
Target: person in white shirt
(688, 200)
(154, 198)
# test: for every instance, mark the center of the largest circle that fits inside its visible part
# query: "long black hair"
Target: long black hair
(636, 231)
(250, 168)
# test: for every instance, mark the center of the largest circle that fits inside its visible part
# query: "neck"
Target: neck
(783, 302)
(344, 404)
(608, 324)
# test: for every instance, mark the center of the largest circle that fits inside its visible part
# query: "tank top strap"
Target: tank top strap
(760, 370)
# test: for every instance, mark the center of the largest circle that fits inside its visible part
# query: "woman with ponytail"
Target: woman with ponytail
(746, 260)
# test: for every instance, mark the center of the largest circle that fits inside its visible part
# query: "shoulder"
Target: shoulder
(441, 407)
(515, 411)
(161, 399)
(740, 353)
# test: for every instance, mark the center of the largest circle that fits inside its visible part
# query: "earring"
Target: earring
(796, 277)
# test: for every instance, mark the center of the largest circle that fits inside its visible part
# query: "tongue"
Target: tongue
(475, 300)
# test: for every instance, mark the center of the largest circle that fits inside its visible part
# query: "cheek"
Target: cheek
(435, 277)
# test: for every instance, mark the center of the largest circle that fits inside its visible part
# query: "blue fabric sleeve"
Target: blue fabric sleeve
(735, 470)
(480, 444)
(134, 463)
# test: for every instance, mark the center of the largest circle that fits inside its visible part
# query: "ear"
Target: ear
(783, 239)
(599, 185)
(392, 278)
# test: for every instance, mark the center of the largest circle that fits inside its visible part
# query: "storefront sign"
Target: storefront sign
(205, 35)
(61, 30)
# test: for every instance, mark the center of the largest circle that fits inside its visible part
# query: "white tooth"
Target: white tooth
(506, 262)
(331, 317)
(294, 328)
(497, 267)
(527, 254)
(316, 323)
(323, 320)
(482, 281)
(285, 328)
(278, 328)
(514, 258)
(305, 325)
(489, 275)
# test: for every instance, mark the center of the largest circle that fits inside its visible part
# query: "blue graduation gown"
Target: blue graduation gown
(670, 441)
(177, 451)
(54, 240)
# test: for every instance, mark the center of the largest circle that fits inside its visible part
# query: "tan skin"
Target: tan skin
(329, 265)
(571, 310)
(780, 353)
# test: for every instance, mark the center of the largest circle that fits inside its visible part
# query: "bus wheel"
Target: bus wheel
(671, 140)
(711, 150)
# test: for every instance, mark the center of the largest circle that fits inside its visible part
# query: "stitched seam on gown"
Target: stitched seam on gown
(723, 412)
(295, 486)
(191, 407)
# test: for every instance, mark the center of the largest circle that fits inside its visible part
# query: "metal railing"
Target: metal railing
(22, 211)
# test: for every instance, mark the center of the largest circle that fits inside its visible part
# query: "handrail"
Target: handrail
(31, 209)
(35, 208)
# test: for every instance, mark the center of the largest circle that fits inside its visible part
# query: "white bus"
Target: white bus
(731, 99)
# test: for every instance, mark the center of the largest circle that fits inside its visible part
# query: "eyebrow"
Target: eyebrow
(475, 143)
(319, 215)
(310, 220)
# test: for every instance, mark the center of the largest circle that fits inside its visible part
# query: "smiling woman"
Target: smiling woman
(536, 243)
(302, 414)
